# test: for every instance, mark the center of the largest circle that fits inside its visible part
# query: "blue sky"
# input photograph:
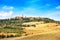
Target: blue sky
(41, 8)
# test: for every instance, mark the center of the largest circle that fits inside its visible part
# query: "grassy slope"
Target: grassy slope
(50, 35)
(45, 27)
(53, 35)
(42, 36)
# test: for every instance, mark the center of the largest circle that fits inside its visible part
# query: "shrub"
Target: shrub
(12, 35)
(33, 25)
(2, 36)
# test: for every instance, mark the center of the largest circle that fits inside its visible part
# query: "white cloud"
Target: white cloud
(53, 15)
(6, 14)
(58, 7)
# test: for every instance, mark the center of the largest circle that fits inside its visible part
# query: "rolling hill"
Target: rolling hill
(24, 26)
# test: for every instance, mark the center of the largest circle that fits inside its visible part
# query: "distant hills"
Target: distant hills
(27, 19)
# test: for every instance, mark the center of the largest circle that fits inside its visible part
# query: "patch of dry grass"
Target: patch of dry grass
(52, 35)
(45, 27)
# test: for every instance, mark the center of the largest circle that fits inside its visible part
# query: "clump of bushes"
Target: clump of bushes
(11, 35)
(2, 36)
(28, 25)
